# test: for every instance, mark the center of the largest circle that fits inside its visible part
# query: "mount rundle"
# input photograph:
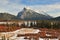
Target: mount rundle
(26, 14)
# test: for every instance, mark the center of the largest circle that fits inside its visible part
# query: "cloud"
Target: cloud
(49, 9)
(3, 2)
(10, 7)
(46, 7)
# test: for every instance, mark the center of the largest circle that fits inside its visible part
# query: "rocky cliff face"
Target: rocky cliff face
(28, 14)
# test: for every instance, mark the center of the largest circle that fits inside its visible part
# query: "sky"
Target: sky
(51, 7)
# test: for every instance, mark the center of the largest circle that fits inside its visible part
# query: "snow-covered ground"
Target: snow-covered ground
(23, 31)
(22, 38)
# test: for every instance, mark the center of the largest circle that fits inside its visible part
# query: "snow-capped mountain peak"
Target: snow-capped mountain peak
(29, 14)
(27, 8)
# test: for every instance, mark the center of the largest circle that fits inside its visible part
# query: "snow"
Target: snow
(28, 30)
(22, 38)
(27, 8)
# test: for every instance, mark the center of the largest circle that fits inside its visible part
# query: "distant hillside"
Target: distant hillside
(7, 16)
(28, 14)
(56, 18)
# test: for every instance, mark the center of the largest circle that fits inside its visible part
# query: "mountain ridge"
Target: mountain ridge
(28, 14)
(6, 16)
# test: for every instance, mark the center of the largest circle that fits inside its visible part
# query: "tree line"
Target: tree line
(44, 24)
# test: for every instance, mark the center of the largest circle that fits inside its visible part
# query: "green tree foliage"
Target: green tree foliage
(47, 24)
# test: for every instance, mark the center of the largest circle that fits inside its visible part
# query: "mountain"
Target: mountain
(56, 18)
(7, 16)
(28, 14)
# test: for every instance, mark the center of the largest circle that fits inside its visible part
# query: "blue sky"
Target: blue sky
(51, 7)
(39, 2)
